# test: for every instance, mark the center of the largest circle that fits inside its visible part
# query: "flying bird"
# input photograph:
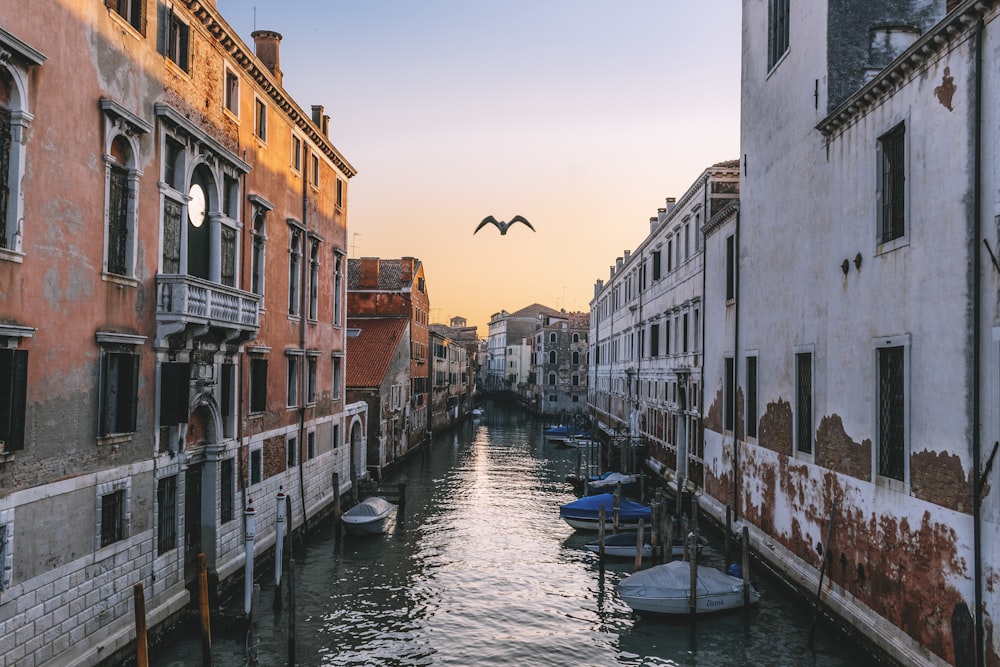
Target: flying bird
(501, 225)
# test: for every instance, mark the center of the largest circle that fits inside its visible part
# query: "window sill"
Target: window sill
(121, 281)
(9, 255)
(891, 484)
(114, 439)
(889, 246)
(6, 457)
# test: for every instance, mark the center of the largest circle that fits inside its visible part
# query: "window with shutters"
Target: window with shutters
(133, 11)
(891, 194)
(175, 389)
(119, 387)
(172, 37)
(13, 398)
(227, 490)
(122, 133)
(113, 511)
(258, 384)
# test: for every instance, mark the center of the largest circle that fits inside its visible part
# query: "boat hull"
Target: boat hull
(665, 589)
(367, 517)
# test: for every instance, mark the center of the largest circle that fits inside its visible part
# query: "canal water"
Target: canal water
(480, 570)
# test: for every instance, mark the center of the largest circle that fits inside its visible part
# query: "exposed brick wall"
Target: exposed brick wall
(939, 478)
(835, 450)
(775, 432)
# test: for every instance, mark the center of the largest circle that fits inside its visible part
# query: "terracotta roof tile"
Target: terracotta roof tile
(370, 352)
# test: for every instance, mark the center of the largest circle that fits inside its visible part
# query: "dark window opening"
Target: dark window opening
(166, 503)
(119, 392)
(891, 408)
(112, 517)
(803, 404)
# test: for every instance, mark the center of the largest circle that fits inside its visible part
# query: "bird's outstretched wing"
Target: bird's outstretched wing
(487, 220)
(518, 218)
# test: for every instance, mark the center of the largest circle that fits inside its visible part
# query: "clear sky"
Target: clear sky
(580, 115)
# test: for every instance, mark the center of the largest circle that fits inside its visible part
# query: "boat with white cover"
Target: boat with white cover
(664, 589)
(367, 517)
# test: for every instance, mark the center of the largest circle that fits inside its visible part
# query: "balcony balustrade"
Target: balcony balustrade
(198, 308)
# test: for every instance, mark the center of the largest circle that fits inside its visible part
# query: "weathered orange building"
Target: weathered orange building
(397, 288)
(172, 321)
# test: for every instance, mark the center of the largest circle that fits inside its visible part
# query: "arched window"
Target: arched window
(552, 378)
(257, 258)
(552, 356)
(576, 358)
(18, 59)
(552, 337)
(576, 338)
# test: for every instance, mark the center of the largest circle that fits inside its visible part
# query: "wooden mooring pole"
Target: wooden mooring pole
(746, 566)
(822, 570)
(253, 638)
(600, 538)
(141, 645)
(291, 612)
(638, 547)
(206, 628)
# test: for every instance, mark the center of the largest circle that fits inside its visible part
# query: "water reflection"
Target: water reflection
(480, 570)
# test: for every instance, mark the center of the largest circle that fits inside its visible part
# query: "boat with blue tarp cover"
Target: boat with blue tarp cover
(584, 514)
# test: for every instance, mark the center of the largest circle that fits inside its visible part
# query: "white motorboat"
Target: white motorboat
(664, 589)
(367, 517)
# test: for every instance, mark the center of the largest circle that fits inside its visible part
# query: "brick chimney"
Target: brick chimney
(406, 266)
(266, 44)
(368, 268)
(321, 120)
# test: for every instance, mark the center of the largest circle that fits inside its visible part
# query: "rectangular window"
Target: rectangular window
(133, 11)
(166, 514)
(119, 388)
(654, 340)
(335, 436)
(294, 273)
(171, 237)
(313, 279)
(311, 380)
(227, 250)
(656, 265)
(172, 36)
(260, 118)
(227, 490)
(666, 337)
(891, 186)
(891, 413)
(730, 268)
(338, 287)
(670, 255)
(232, 92)
(256, 466)
(292, 450)
(340, 193)
(112, 517)
(751, 397)
(13, 398)
(684, 334)
(311, 445)
(803, 402)
(729, 394)
(314, 172)
(258, 384)
(296, 153)
(777, 31)
(292, 377)
(337, 363)
(175, 388)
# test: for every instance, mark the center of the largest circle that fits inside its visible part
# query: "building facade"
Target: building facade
(557, 383)
(645, 371)
(172, 227)
(852, 384)
(507, 330)
(397, 288)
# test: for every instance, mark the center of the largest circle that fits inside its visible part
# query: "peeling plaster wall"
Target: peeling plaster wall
(900, 548)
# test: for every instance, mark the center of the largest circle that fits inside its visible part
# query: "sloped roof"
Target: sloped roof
(533, 310)
(371, 351)
(390, 273)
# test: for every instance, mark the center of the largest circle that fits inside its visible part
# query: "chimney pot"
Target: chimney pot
(267, 46)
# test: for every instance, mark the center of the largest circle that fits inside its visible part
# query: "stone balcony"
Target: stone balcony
(194, 308)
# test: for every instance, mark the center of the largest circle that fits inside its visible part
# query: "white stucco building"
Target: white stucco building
(852, 315)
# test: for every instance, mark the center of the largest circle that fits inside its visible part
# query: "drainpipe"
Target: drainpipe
(736, 342)
(240, 368)
(976, 350)
(303, 314)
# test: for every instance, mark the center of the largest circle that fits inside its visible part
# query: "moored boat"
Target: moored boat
(665, 589)
(367, 517)
(584, 514)
(623, 545)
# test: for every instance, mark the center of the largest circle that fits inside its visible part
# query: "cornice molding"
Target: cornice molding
(953, 26)
(234, 46)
